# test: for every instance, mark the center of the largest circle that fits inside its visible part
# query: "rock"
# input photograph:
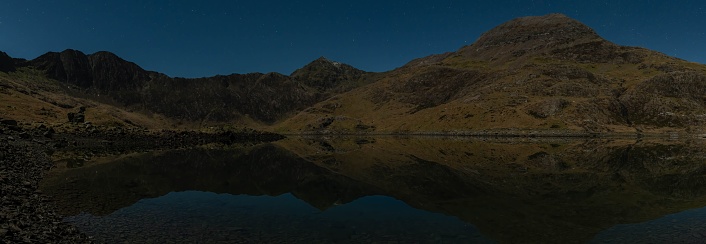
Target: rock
(25, 214)
(24, 135)
(14, 227)
(547, 108)
(10, 122)
(77, 117)
(61, 144)
(49, 133)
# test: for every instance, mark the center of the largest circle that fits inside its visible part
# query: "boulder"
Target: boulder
(79, 117)
(10, 122)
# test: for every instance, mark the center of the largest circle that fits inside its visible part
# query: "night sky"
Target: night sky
(205, 38)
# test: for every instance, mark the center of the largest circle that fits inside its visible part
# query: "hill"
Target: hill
(533, 75)
(541, 73)
(116, 84)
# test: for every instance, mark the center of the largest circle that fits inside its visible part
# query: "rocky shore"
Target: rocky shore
(27, 215)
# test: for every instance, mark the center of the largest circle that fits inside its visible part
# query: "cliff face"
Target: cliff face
(110, 72)
(265, 98)
(69, 66)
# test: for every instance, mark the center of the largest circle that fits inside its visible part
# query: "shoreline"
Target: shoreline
(26, 214)
(515, 134)
(28, 151)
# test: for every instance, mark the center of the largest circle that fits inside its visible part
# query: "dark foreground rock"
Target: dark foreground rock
(26, 214)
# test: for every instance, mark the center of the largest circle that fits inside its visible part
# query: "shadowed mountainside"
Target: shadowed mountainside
(264, 98)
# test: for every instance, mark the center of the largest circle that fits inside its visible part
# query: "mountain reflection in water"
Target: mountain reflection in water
(513, 191)
(208, 218)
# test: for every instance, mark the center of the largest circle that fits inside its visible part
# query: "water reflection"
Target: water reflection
(684, 227)
(564, 191)
(191, 217)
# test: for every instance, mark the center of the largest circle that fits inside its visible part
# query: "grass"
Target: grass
(28, 97)
(495, 102)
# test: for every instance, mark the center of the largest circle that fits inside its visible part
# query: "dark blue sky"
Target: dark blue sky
(204, 38)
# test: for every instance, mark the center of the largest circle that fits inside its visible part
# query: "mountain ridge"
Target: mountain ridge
(546, 73)
(265, 98)
(536, 73)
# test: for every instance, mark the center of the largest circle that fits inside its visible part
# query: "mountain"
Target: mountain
(540, 73)
(102, 71)
(325, 74)
(262, 98)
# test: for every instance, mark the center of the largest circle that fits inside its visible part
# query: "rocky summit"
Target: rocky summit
(529, 36)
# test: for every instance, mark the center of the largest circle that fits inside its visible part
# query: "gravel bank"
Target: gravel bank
(27, 215)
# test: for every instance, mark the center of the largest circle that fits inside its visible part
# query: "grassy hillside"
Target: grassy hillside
(534, 75)
(27, 96)
(544, 77)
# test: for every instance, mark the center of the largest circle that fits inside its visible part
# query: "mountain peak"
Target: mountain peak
(324, 61)
(533, 34)
(324, 73)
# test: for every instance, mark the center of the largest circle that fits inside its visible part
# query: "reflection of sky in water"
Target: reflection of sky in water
(194, 216)
(684, 227)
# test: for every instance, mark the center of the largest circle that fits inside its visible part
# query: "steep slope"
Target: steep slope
(262, 98)
(265, 98)
(27, 96)
(542, 73)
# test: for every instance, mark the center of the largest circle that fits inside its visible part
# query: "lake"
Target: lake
(388, 189)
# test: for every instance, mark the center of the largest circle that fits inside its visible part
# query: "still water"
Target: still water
(193, 216)
(393, 190)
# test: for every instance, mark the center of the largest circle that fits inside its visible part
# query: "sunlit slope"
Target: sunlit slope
(27, 96)
(534, 73)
